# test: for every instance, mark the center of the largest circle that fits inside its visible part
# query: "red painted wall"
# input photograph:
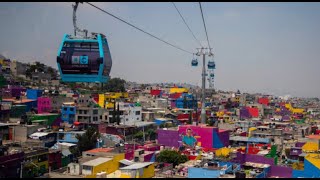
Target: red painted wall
(264, 101)
(254, 112)
(55, 158)
(155, 92)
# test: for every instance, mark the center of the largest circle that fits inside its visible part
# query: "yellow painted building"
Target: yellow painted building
(250, 130)
(310, 147)
(314, 159)
(102, 164)
(106, 100)
(294, 110)
(36, 163)
(178, 90)
(138, 170)
(223, 152)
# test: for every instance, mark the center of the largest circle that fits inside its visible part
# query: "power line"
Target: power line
(186, 24)
(139, 29)
(205, 28)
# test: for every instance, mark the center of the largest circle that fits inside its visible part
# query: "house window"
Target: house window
(95, 111)
(71, 109)
(65, 109)
(95, 118)
(87, 168)
(137, 112)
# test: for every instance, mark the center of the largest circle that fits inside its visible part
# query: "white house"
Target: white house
(129, 113)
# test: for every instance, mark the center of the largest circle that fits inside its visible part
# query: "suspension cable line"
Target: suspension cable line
(205, 28)
(186, 24)
(139, 28)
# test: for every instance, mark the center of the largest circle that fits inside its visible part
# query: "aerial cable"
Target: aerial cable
(186, 24)
(139, 29)
(205, 28)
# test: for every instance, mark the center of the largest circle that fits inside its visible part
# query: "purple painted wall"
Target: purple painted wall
(294, 151)
(258, 159)
(299, 144)
(242, 158)
(169, 138)
(281, 171)
(224, 137)
(244, 113)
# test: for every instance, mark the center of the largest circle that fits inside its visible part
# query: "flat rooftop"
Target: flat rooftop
(96, 161)
(136, 166)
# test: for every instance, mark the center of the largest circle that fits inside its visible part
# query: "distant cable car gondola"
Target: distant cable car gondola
(211, 65)
(82, 58)
(194, 61)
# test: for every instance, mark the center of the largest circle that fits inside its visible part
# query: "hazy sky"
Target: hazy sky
(259, 47)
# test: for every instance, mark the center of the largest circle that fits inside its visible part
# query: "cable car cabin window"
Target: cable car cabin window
(80, 58)
(107, 59)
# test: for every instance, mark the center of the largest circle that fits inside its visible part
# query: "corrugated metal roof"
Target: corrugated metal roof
(247, 139)
(137, 166)
(38, 134)
(97, 161)
(140, 124)
(66, 144)
(126, 162)
(66, 152)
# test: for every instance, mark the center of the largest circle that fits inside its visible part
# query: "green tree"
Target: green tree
(115, 85)
(3, 81)
(172, 156)
(151, 134)
(138, 135)
(88, 140)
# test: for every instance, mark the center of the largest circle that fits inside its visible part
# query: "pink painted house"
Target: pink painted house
(44, 105)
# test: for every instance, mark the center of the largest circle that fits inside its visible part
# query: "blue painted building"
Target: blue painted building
(213, 173)
(69, 137)
(310, 171)
(68, 113)
(186, 101)
(34, 93)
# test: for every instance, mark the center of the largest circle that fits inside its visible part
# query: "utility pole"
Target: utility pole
(203, 53)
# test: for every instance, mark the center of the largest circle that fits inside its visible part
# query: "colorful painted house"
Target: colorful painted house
(36, 163)
(52, 119)
(101, 164)
(68, 112)
(34, 93)
(44, 105)
(106, 100)
(138, 170)
(208, 137)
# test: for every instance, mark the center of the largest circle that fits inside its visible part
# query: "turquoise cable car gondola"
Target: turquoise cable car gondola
(211, 65)
(194, 62)
(83, 58)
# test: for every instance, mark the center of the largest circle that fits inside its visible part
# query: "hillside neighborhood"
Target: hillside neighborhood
(49, 129)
